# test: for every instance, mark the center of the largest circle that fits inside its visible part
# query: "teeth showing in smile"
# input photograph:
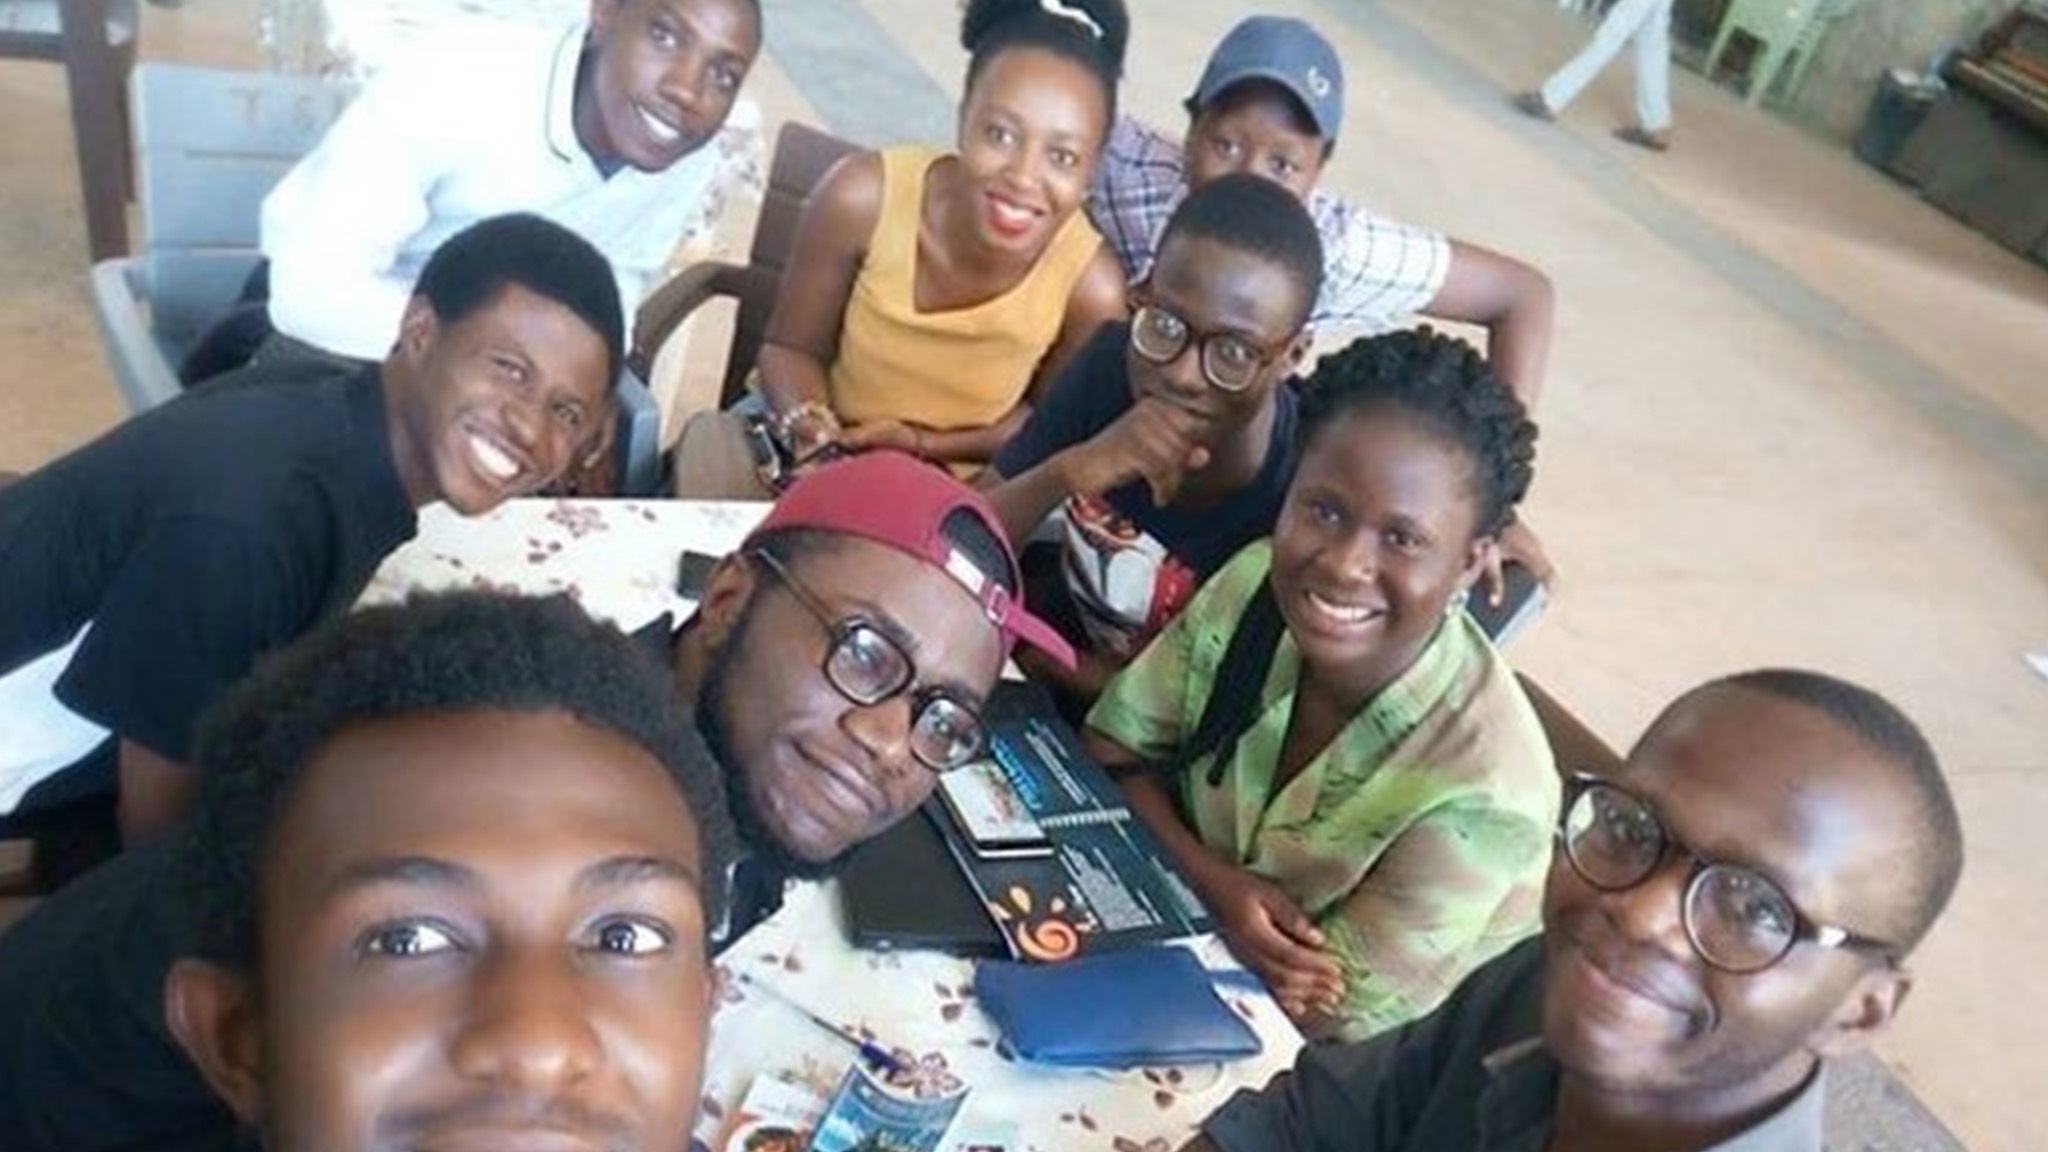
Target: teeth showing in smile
(660, 129)
(1342, 613)
(493, 460)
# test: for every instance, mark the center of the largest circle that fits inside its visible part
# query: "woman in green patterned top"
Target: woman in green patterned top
(1347, 771)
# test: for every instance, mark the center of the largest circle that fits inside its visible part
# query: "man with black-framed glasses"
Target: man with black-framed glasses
(1167, 444)
(1727, 911)
(840, 660)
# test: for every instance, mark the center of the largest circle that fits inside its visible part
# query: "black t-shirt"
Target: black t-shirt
(86, 1061)
(1130, 564)
(196, 537)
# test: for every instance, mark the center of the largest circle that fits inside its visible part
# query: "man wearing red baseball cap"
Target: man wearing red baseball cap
(841, 659)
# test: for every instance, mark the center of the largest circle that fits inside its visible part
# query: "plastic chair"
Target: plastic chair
(210, 145)
(1776, 26)
(1807, 43)
(803, 155)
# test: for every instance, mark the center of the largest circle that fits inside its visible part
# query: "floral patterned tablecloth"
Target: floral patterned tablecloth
(618, 558)
(923, 1003)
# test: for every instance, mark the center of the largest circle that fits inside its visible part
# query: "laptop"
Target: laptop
(903, 891)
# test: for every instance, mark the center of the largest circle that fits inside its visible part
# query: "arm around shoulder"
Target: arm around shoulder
(1514, 303)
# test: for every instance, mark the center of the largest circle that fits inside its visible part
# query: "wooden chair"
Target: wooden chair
(95, 42)
(802, 157)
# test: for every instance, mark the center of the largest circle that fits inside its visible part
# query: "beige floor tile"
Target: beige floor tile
(1728, 476)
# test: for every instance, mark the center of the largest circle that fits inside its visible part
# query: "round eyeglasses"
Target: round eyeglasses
(867, 666)
(1738, 919)
(1230, 362)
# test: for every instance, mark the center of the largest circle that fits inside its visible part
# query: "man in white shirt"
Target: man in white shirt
(600, 127)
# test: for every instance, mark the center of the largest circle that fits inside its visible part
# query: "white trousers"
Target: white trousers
(1648, 24)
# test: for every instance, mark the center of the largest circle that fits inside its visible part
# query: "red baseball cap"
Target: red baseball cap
(898, 500)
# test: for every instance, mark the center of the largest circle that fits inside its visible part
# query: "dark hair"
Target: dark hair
(470, 268)
(1437, 379)
(1259, 90)
(1256, 216)
(1447, 385)
(1934, 863)
(1091, 33)
(448, 652)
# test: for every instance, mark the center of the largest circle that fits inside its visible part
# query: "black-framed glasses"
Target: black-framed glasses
(1230, 361)
(868, 666)
(1738, 919)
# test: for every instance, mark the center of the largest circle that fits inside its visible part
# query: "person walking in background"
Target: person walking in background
(1646, 24)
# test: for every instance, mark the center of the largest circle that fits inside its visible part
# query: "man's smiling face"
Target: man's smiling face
(480, 931)
(1742, 778)
(662, 78)
(813, 771)
(499, 403)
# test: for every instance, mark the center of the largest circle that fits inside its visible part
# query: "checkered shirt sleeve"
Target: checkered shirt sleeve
(1376, 272)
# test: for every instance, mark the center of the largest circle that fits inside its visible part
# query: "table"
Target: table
(923, 1002)
(618, 558)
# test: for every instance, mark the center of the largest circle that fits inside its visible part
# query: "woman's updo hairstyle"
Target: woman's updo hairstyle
(1091, 33)
(1449, 387)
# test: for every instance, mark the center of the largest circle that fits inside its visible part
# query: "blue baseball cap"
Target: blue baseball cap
(1289, 53)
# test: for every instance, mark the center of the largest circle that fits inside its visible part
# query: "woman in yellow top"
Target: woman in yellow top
(931, 294)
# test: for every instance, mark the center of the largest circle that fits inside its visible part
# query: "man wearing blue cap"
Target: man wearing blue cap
(1270, 102)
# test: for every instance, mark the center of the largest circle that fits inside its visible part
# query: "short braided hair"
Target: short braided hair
(1445, 383)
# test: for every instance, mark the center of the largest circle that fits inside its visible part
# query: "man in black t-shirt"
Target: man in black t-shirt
(147, 571)
(1168, 443)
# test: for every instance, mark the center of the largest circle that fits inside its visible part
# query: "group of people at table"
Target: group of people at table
(454, 873)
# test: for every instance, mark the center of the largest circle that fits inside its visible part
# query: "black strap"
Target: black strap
(1234, 693)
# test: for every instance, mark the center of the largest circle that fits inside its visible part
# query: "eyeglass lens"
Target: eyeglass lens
(1228, 362)
(1737, 918)
(868, 668)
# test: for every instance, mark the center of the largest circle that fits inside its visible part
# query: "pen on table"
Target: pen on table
(869, 1051)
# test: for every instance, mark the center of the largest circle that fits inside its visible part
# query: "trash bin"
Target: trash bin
(1901, 102)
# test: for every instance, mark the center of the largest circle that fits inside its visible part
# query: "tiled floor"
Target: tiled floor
(1794, 416)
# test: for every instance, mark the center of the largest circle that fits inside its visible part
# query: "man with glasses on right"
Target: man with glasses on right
(1168, 443)
(1724, 913)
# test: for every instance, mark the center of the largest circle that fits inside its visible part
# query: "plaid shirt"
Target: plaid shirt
(1376, 272)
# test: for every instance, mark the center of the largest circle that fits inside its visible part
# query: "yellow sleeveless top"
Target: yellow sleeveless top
(960, 369)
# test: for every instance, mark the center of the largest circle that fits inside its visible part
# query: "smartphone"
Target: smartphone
(997, 822)
(693, 573)
(1522, 602)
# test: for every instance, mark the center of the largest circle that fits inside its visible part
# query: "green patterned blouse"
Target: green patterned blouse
(1417, 840)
